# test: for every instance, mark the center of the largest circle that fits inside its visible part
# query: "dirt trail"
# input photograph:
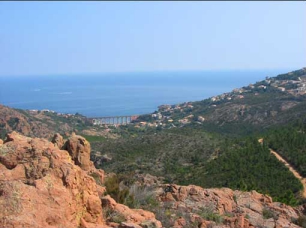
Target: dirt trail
(291, 169)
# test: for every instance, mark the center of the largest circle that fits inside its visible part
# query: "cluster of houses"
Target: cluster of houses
(300, 86)
(173, 108)
(148, 124)
(229, 96)
(295, 87)
(35, 111)
(163, 116)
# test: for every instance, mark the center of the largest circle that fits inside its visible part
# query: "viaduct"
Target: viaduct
(113, 120)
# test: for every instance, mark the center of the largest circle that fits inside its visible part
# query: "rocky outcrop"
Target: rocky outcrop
(225, 208)
(42, 186)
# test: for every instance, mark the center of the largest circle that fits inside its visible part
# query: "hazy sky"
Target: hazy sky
(85, 37)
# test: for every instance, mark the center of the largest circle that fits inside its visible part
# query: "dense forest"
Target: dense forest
(290, 143)
(247, 165)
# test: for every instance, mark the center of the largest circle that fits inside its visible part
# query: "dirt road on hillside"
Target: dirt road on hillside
(291, 169)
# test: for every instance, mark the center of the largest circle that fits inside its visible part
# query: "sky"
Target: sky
(45, 38)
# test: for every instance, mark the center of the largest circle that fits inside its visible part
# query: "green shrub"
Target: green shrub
(96, 177)
(141, 197)
(112, 188)
(113, 216)
(301, 221)
(268, 213)
(208, 213)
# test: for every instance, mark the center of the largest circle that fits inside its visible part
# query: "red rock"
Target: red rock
(240, 221)
(41, 186)
(180, 223)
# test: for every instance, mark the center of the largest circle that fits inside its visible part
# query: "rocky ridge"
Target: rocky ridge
(43, 124)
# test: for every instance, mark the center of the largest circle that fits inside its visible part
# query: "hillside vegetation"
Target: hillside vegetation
(205, 143)
(200, 159)
(170, 153)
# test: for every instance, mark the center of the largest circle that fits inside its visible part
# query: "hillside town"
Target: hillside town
(164, 116)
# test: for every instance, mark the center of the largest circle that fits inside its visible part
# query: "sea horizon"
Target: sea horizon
(141, 72)
(104, 94)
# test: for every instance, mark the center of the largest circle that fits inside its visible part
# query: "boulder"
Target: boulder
(58, 140)
(79, 150)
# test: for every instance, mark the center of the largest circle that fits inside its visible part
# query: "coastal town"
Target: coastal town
(177, 115)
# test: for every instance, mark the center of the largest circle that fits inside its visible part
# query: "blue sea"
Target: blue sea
(115, 94)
